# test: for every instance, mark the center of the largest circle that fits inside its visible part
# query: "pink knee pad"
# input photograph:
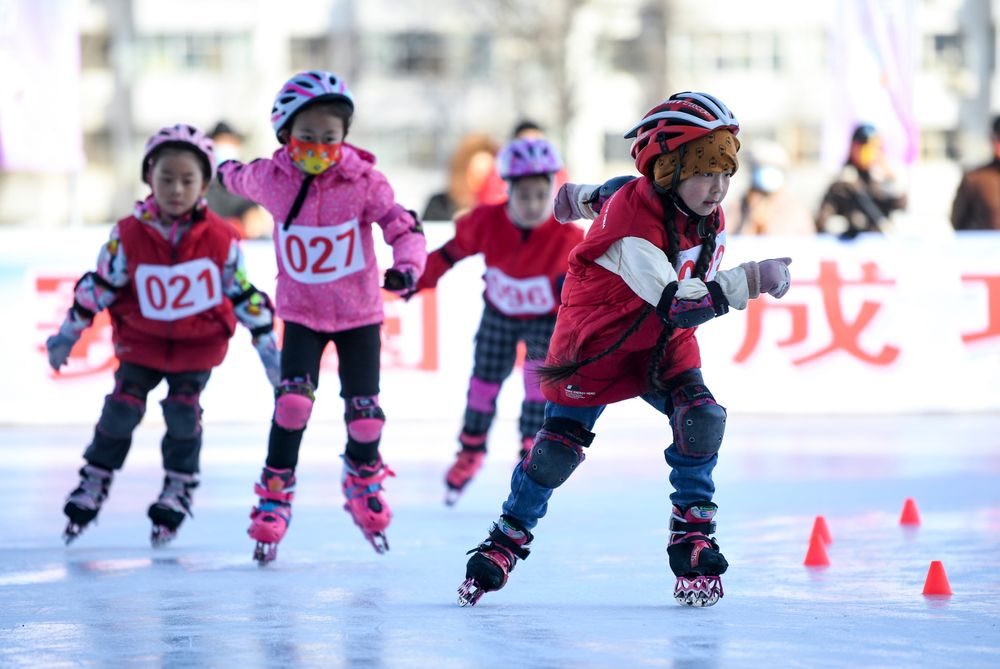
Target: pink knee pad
(293, 406)
(483, 395)
(365, 419)
(532, 389)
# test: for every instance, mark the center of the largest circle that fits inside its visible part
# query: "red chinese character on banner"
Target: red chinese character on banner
(992, 282)
(844, 333)
(82, 360)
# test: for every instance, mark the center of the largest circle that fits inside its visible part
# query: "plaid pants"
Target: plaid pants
(495, 354)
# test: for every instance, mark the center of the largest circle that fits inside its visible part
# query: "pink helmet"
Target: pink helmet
(528, 157)
(304, 88)
(680, 119)
(185, 136)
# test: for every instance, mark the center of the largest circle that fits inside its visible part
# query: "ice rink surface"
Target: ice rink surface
(596, 591)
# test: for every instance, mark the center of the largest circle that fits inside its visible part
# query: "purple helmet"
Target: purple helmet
(528, 157)
(184, 136)
(304, 88)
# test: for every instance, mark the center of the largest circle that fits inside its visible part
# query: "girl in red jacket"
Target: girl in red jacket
(172, 277)
(640, 283)
(525, 250)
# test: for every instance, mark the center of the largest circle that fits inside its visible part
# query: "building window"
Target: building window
(95, 52)
(208, 51)
(309, 53)
(419, 53)
(939, 145)
(943, 53)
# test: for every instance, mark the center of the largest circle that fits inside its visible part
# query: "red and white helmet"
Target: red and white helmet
(304, 88)
(528, 157)
(680, 119)
(183, 135)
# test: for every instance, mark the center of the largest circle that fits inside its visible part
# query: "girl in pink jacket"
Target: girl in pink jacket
(324, 195)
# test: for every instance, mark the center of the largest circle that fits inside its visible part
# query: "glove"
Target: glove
(775, 278)
(267, 348)
(571, 200)
(58, 346)
(402, 282)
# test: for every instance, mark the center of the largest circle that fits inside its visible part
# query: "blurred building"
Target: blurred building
(424, 73)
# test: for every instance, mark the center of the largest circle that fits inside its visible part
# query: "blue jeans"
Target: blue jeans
(690, 476)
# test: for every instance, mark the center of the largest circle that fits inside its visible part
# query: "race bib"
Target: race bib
(173, 292)
(519, 297)
(321, 255)
(686, 259)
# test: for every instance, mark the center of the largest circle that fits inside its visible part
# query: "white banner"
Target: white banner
(876, 326)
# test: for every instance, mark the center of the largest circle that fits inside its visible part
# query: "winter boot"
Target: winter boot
(494, 559)
(694, 556)
(362, 484)
(85, 501)
(270, 518)
(168, 512)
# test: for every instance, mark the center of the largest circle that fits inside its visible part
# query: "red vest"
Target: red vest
(598, 307)
(172, 316)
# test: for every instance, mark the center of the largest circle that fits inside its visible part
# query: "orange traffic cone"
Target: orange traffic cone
(937, 580)
(820, 528)
(816, 555)
(910, 515)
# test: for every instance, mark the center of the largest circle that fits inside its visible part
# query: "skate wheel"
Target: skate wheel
(469, 592)
(700, 591)
(264, 553)
(451, 496)
(71, 532)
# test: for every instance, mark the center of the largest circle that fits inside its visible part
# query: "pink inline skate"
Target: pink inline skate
(468, 462)
(270, 518)
(362, 484)
(694, 556)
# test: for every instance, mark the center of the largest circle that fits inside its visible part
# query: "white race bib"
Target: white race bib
(173, 292)
(321, 255)
(519, 297)
(686, 259)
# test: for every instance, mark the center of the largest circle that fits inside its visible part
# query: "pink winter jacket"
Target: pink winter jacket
(327, 276)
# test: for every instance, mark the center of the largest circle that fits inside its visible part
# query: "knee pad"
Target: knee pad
(698, 421)
(557, 451)
(182, 414)
(120, 415)
(483, 395)
(364, 418)
(532, 388)
(293, 404)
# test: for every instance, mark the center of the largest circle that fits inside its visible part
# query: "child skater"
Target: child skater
(324, 195)
(172, 277)
(525, 250)
(640, 283)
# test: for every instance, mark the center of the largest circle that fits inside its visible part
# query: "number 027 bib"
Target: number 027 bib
(321, 255)
(172, 292)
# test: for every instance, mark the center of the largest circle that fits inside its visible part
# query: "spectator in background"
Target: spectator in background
(865, 193)
(471, 165)
(768, 207)
(977, 200)
(249, 219)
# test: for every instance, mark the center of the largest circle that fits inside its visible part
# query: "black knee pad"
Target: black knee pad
(120, 415)
(698, 421)
(557, 451)
(182, 414)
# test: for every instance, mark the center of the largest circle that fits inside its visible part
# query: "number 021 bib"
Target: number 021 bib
(321, 255)
(172, 292)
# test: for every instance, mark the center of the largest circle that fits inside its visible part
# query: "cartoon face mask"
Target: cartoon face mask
(313, 157)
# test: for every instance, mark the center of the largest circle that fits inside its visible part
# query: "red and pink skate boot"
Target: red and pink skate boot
(694, 556)
(270, 518)
(468, 462)
(362, 484)
(494, 559)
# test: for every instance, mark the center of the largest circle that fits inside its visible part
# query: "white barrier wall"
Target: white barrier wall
(879, 325)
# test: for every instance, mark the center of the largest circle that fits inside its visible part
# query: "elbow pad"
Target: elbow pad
(691, 313)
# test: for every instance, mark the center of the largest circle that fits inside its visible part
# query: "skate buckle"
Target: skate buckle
(698, 591)
(470, 592)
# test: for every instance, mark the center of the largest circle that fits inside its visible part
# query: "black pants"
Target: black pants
(125, 406)
(359, 352)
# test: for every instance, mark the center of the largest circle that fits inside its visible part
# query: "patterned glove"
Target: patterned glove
(267, 348)
(775, 279)
(58, 346)
(401, 281)
(571, 200)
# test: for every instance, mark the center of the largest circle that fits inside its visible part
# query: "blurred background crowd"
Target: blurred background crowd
(856, 115)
